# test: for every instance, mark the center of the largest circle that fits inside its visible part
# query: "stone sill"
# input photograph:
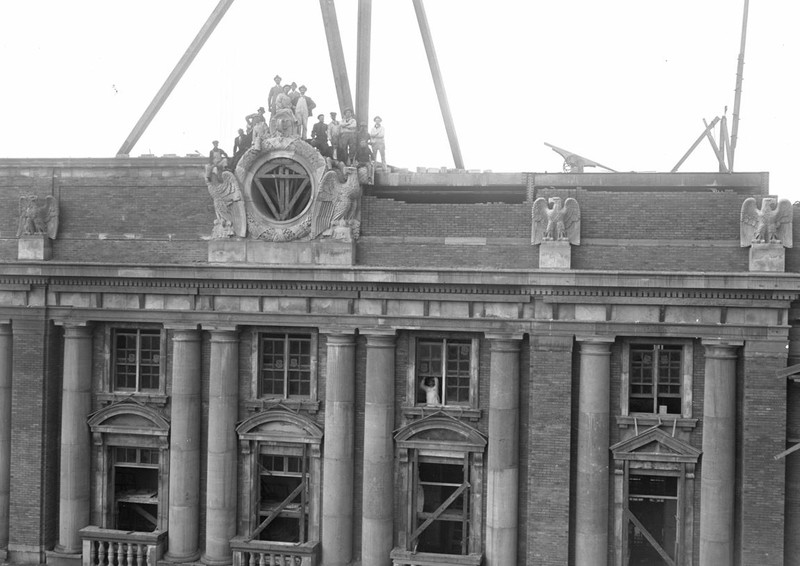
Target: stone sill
(158, 399)
(307, 405)
(648, 420)
(418, 411)
(406, 557)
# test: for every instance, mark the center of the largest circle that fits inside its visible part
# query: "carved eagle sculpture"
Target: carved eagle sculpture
(337, 203)
(36, 217)
(770, 224)
(560, 223)
(228, 206)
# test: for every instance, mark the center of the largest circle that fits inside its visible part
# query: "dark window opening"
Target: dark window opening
(136, 489)
(283, 505)
(653, 502)
(442, 501)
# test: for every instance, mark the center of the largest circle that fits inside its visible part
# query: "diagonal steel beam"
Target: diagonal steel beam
(438, 83)
(174, 77)
(336, 54)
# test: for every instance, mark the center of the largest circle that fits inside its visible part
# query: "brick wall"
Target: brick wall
(547, 452)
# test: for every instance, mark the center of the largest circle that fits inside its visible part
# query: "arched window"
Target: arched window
(441, 478)
(280, 496)
(131, 468)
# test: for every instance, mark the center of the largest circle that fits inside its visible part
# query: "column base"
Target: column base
(58, 557)
(182, 558)
(212, 561)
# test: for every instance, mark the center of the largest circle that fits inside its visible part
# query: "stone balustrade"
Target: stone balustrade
(111, 547)
(267, 553)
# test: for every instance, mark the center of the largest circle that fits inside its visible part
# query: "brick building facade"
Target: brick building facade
(428, 394)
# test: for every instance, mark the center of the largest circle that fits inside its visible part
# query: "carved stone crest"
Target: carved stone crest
(283, 190)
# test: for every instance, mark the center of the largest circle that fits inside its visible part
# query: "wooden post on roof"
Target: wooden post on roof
(737, 101)
(175, 76)
(433, 62)
(336, 54)
(362, 64)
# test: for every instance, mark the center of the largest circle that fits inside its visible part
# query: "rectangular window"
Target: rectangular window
(285, 365)
(135, 481)
(137, 360)
(444, 372)
(653, 519)
(656, 373)
(282, 498)
(441, 504)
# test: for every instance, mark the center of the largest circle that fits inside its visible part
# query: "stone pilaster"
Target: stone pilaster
(377, 526)
(502, 473)
(184, 449)
(6, 357)
(222, 447)
(791, 536)
(76, 403)
(591, 486)
(717, 476)
(338, 452)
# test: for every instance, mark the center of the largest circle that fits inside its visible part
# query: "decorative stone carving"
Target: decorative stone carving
(770, 224)
(228, 206)
(767, 231)
(560, 224)
(336, 212)
(37, 218)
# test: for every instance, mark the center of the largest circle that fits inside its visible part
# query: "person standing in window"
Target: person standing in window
(430, 385)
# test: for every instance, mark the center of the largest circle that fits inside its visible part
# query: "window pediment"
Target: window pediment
(280, 425)
(655, 445)
(128, 418)
(441, 431)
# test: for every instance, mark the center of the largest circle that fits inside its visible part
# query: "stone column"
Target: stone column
(184, 448)
(76, 403)
(337, 462)
(6, 357)
(591, 486)
(377, 526)
(222, 447)
(717, 472)
(502, 472)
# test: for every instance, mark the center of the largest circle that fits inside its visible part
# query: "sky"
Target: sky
(625, 83)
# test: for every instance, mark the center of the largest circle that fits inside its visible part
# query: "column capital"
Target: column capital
(381, 340)
(223, 335)
(721, 349)
(339, 337)
(211, 327)
(595, 345)
(77, 330)
(504, 336)
(596, 339)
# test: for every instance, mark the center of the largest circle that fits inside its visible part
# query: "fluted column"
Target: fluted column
(502, 472)
(591, 486)
(6, 357)
(337, 462)
(222, 447)
(377, 527)
(74, 494)
(184, 448)
(717, 475)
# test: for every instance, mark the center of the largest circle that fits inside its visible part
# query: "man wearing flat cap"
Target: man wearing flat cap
(217, 162)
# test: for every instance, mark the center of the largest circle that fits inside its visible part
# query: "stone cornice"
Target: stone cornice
(567, 281)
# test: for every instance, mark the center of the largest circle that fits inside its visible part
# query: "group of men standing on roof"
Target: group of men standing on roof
(289, 111)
